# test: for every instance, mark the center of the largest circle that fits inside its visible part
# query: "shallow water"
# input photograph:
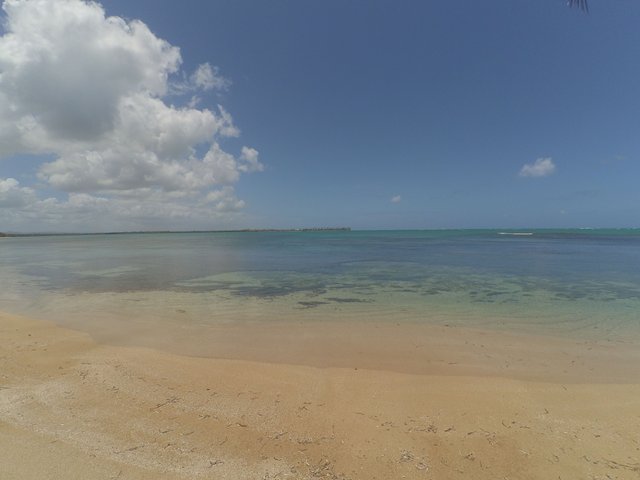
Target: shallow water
(583, 283)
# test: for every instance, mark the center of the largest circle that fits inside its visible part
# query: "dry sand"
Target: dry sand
(331, 402)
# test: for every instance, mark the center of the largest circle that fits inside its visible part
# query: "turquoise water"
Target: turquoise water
(577, 282)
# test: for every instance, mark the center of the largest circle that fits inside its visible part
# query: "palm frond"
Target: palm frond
(581, 4)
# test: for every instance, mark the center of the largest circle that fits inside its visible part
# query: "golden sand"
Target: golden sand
(292, 401)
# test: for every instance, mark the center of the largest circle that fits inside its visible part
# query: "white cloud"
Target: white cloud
(225, 200)
(12, 195)
(66, 67)
(396, 199)
(204, 78)
(207, 77)
(249, 161)
(91, 89)
(542, 167)
(83, 211)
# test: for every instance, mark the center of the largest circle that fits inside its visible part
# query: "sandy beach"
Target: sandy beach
(74, 408)
(319, 240)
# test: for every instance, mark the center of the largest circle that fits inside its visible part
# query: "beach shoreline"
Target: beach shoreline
(71, 407)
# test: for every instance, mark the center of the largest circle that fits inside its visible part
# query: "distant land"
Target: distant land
(510, 232)
(311, 229)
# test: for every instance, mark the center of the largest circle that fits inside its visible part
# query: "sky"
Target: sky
(224, 114)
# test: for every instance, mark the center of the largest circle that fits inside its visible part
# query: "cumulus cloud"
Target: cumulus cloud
(12, 195)
(66, 67)
(396, 199)
(20, 207)
(204, 78)
(249, 161)
(209, 78)
(225, 200)
(542, 167)
(91, 90)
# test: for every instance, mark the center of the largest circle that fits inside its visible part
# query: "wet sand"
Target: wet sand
(316, 401)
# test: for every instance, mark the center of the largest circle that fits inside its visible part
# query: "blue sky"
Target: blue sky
(439, 104)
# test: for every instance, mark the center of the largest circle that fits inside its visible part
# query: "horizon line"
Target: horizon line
(307, 229)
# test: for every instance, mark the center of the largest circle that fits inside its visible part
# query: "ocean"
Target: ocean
(578, 283)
